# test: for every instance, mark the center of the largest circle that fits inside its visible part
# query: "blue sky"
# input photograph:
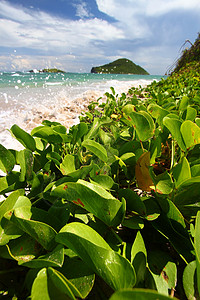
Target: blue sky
(75, 35)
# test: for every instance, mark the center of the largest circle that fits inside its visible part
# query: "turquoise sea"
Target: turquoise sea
(28, 98)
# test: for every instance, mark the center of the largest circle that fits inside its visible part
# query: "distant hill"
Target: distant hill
(120, 66)
(47, 71)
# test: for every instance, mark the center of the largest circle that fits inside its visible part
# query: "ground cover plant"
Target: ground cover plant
(110, 209)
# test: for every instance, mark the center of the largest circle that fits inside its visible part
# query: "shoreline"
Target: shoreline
(65, 111)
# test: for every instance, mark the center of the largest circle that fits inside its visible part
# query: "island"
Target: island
(120, 66)
(47, 71)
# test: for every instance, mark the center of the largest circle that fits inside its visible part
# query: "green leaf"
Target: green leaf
(183, 103)
(7, 160)
(79, 131)
(174, 126)
(164, 183)
(195, 170)
(23, 249)
(47, 133)
(41, 232)
(143, 124)
(57, 281)
(191, 113)
(163, 270)
(94, 129)
(92, 249)
(133, 201)
(25, 159)
(197, 248)
(13, 201)
(181, 172)
(189, 280)
(23, 137)
(79, 274)
(157, 112)
(51, 259)
(191, 133)
(51, 284)
(55, 157)
(133, 223)
(104, 180)
(93, 198)
(96, 149)
(176, 233)
(139, 294)
(8, 230)
(10, 183)
(68, 164)
(139, 257)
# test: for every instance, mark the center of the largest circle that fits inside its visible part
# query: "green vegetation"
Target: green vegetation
(109, 210)
(49, 71)
(190, 55)
(52, 71)
(120, 66)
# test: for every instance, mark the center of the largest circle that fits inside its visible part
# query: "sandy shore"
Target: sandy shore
(65, 111)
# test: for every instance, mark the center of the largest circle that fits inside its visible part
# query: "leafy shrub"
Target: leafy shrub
(111, 208)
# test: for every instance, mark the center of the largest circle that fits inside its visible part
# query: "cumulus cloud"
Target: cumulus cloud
(138, 17)
(82, 10)
(148, 32)
(117, 8)
(39, 30)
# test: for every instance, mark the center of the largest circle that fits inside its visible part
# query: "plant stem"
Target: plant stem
(172, 154)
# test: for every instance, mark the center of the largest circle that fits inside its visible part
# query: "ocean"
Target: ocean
(28, 98)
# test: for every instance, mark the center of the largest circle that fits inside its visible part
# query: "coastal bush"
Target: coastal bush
(110, 209)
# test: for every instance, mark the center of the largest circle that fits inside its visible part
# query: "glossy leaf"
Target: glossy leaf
(23, 137)
(7, 160)
(181, 172)
(191, 133)
(52, 259)
(93, 198)
(157, 112)
(23, 249)
(104, 180)
(50, 284)
(92, 249)
(143, 124)
(139, 294)
(184, 103)
(189, 280)
(133, 223)
(68, 165)
(41, 232)
(164, 271)
(96, 149)
(174, 126)
(47, 133)
(79, 274)
(133, 201)
(25, 159)
(191, 113)
(164, 183)
(139, 257)
(197, 248)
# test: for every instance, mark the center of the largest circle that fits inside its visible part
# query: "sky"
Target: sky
(75, 35)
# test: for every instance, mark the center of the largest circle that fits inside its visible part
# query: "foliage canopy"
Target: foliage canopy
(110, 209)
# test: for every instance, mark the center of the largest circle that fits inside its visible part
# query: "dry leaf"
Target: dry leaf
(142, 174)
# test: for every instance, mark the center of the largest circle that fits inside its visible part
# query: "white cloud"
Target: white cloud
(120, 9)
(82, 10)
(39, 30)
(136, 15)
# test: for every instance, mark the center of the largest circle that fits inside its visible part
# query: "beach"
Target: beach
(26, 99)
